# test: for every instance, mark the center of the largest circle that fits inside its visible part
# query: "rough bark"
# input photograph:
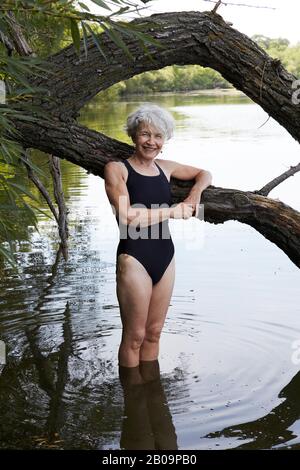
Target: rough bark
(22, 47)
(91, 150)
(187, 38)
(20, 43)
(54, 165)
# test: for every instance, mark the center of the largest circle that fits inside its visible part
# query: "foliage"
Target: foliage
(175, 78)
(46, 26)
(280, 48)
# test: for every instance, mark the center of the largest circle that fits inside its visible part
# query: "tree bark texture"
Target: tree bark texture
(202, 38)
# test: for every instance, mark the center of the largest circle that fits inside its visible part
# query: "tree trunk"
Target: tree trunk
(186, 38)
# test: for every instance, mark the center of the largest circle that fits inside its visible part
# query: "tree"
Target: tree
(202, 38)
(21, 57)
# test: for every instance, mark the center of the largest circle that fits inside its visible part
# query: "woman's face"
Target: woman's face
(148, 141)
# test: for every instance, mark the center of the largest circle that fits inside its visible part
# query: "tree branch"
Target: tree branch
(20, 42)
(7, 43)
(23, 49)
(265, 190)
(91, 150)
(54, 164)
(186, 38)
(37, 182)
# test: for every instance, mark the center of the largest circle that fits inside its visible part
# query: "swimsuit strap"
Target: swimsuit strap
(128, 166)
(131, 169)
(160, 170)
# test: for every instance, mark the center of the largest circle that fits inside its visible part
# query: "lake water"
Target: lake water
(229, 360)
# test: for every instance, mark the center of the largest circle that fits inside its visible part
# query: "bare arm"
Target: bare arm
(202, 178)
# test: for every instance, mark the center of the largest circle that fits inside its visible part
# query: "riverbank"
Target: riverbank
(207, 92)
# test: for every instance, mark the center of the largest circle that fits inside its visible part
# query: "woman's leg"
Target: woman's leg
(158, 307)
(134, 289)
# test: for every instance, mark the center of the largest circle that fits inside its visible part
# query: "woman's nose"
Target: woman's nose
(151, 139)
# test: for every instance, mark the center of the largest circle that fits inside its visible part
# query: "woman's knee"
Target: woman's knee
(134, 340)
(153, 333)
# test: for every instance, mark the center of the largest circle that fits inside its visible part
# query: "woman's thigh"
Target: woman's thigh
(134, 289)
(160, 298)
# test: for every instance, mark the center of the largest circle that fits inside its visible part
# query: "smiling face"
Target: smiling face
(148, 141)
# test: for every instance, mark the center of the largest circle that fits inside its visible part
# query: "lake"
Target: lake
(230, 348)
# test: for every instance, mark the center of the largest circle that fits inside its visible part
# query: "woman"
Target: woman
(145, 265)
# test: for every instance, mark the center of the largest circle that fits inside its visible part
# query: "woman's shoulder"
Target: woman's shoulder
(166, 166)
(117, 166)
(165, 163)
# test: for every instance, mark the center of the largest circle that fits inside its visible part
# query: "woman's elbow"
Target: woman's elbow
(209, 177)
(126, 218)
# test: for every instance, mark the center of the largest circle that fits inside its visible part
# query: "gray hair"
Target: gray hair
(154, 115)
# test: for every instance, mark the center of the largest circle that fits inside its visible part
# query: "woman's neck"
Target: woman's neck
(142, 162)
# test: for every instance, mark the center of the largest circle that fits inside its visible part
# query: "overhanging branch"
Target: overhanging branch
(201, 38)
(187, 38)
(91, 150)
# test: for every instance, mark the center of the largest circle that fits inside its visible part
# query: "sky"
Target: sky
(283, 21)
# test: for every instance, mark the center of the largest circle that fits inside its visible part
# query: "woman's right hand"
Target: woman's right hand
(182, 210)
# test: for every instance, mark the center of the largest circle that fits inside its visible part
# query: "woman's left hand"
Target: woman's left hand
(194, 199)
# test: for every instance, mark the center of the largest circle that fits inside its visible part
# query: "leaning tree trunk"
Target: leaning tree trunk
(185, 38)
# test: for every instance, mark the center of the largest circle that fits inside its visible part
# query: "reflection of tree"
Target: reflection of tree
(55, 398)
(46, 380)
(272, 429)
(44, 367)
(147, 423)
(51, 381)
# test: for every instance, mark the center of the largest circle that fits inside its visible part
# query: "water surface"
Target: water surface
(229, 367)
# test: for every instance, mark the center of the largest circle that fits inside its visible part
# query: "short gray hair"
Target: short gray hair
(151, 114)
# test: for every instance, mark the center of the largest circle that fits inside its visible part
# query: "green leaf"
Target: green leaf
(8, 255)
(147, 38)
(75, 35)
(41, 211)
(23, 190)
(116, 38)
(84, 39)
(96, 41)
(119, 12)
(7, 153)
(82, 5)
(101, 4)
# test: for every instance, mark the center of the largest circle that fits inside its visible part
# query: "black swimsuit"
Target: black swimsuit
(152, 246)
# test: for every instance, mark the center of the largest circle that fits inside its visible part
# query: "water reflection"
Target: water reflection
(235, 302)
(275, 428)
(147, 422)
